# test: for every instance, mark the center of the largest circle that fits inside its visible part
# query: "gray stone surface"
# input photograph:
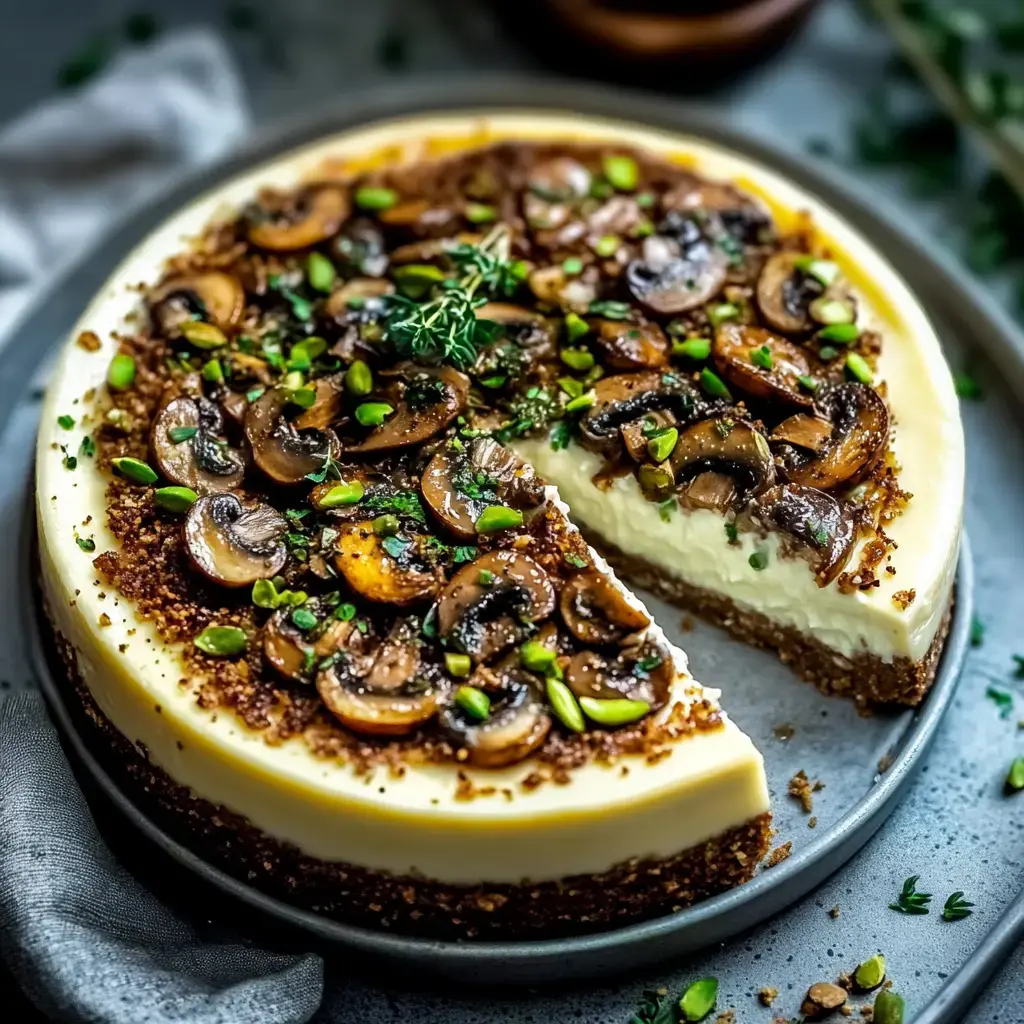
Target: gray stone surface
(955, 828)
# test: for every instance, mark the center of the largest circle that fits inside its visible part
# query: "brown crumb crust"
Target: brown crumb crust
(865, 677)
(630, 892)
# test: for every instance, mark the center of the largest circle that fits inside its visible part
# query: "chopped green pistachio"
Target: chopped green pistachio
(578, 359)
(342, 494)
(304, 619)
(831, 311)
(480, 213)
(572, 387)
(809, 383)
(610, 309)
(536, 656)
(485, 577)
(213, 372)
(718, 314)
(614, 712)
(345, 612)
(373, 414)
(498, 380)
(303, 397)
(473, 702)
(762, 357)
(293, 380)
(386, 525)
(222, 641)
(581, 402)
(66, 422)
(967, 387)
(871, 973)
(304, 352)
(713, 384)
(858, 369)
(86, 543)
(655, 481)
(175, 499)
(888, 1008)
(121, 372)
(416, 279)
(840, 334)
(134, 469)
(458, 665)
(253, 394)
(621, 171)
(564, 704)
(692, 348)
(575, 327)
(642, 229)
(1015, 776)
(265, 595)
(662, 444)
(699, 999)
(644, 200)
(758, 559)
(572, 266)
(203, 335)
(498, 517)
(359, 379)
(607, 245)
(320, 272)
(371, 198)
(824, 271)
(827, 352)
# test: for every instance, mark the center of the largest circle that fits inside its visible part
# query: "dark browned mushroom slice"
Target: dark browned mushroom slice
(359, 248)
(525, 327)
(643, 673)
(517, 725)
(285, 454)
(234, 544)
(294, 653)
(629, 397)
(425, 399)
(383, 569)
(212, 295)
(785, 292)
(328, 405)
(820, 529)
(860, 431)
(776, 377)
(355, 301)
(597, 612)
(636, 435)
(720, 204)
(710, 490)
(488, 604)
(630, 346)
(287, 221)
(730, 447)
(803, 430)
(458, 486)
(671, 277)
(188, 449)
(381, 688)
(554, 188)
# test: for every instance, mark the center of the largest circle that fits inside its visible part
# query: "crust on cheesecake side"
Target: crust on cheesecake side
(865, 677)
(627, 893)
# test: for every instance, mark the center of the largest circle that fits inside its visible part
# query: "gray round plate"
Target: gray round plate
(796, 728)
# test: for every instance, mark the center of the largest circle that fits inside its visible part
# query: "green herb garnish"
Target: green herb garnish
(758, 560)
(610, 309)
(65, 422)
(956, 907)
(1002, 700)
(967, 387)
(1015, 776)
(699, 999)
(910, 901)
(178, 434)
(86, 543)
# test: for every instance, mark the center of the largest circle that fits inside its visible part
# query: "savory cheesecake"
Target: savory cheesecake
(311, 481)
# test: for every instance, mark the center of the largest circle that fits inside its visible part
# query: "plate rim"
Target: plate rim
(572, 956)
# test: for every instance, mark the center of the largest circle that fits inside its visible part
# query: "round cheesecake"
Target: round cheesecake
(315, 565)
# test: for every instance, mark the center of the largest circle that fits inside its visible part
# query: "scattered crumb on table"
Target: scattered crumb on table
(779, 854)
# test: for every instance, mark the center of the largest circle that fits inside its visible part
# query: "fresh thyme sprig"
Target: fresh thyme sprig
(910, 901)
(446, 327)
(956, 907)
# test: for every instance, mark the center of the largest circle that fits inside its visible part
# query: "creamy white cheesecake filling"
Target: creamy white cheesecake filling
(711, 782)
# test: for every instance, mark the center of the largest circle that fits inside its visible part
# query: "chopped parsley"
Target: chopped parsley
(302, 308)
(424, 392)
(532, 410)
(561, 435)
(404, 503)
(576, 562)
(87, 447)
(475, 486)
(731, 532)
(967, 387)
(977, 632)
(463, 553)
(86, 543)
(1002, 700)
(65, 422)
(1018, 661)
(665, 509)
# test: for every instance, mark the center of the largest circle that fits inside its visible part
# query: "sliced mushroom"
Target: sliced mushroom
(203, 461)
(628, 397)
(525, 327)
(517, 725)
(597, 612)
(296, 220)
(860, 430)
(739, 217)
(636, 435)
(294, 654)
(734, 345)
(726, 446)
(328, 405)
(804, 431)
(285, 454)
(672, 278)
(426, 400)
(487, 605)
(821, 528)
(553, 286)
(630, 346)
(360, 248)
(636, 673)
(710, 490)
(556, 186)
(210, 295)
(784, 293)
(381, 688)
(458, 486)
(233, 544)
(385, 570)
